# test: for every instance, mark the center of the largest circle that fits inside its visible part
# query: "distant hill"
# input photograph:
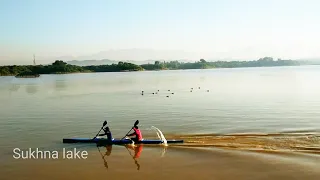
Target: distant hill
(91, 62)
(135, 55)
(310, 61)
(108, 62)
(104, 62)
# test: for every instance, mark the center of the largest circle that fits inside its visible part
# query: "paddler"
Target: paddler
(107, 133)
(137, 134)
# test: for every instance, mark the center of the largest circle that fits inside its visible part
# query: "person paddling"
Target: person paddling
(107, 133)
(137, 134)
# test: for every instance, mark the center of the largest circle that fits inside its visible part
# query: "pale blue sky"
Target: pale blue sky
(243, 29)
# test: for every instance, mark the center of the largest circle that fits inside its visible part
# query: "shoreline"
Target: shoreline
(128, 71)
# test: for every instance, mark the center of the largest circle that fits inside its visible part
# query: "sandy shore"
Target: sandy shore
(170, 163)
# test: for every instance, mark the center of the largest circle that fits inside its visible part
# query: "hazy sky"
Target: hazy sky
(212, 29)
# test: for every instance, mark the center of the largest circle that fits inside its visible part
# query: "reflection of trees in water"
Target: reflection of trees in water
(31, 85)
(31, 88)
(203, 78)
(14, 87)
(60, 85)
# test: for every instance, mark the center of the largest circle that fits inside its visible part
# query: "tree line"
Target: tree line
(203, 64)
(59, 66)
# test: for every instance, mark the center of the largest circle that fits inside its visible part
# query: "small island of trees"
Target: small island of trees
(60, 67)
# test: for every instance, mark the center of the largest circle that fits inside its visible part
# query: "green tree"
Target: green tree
(203, 61)
(59, 63)
(4, 71)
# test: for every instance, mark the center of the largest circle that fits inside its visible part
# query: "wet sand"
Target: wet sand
(175, 163)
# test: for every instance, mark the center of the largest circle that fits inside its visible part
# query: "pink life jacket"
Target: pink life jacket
(138, 134)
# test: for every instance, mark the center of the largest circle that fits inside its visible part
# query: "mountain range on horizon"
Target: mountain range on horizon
(108, 62)
(139, 56)
(145, 56)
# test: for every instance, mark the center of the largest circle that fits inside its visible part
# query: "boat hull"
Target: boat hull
(116, 141)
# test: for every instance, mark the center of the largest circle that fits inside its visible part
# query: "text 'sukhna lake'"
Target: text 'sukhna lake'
(40, 112)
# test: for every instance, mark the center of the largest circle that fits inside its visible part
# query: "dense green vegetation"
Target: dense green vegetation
(202, 64)
(121, 66)
(27, 74)
(60, 67)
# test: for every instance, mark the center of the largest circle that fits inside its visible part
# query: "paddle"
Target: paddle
(135, 160)
(104, 124)
(104, 160)
(135, 124)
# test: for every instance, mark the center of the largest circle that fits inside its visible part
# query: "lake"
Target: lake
(40, 112)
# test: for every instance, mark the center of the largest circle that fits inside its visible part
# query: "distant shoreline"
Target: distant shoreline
(60, 67)
(64, 73)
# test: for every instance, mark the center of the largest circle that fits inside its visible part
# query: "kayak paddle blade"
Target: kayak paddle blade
(136, 123)
(104, 123)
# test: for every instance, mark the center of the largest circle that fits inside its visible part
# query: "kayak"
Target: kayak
(116, 141)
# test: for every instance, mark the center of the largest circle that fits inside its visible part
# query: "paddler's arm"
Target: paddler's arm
(132, 134)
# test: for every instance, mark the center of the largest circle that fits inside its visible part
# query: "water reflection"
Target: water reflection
(137, 152)
(31, 85)
(133, 150)
(60, 85)
(14, 87)
(31, 88)
(203, 78)
(107, 153)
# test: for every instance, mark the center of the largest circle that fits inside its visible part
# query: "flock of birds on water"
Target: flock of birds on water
(158, 91)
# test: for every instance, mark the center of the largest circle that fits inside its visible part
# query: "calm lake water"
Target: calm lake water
(40, 112)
